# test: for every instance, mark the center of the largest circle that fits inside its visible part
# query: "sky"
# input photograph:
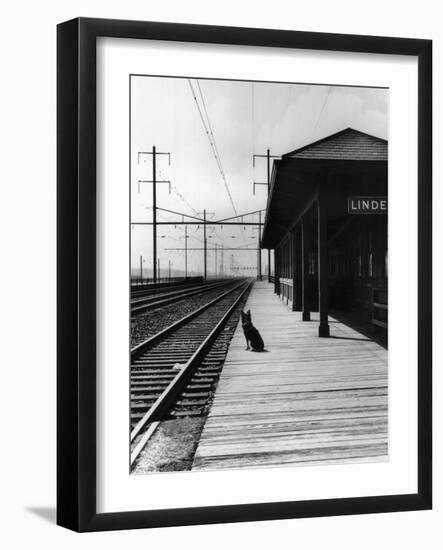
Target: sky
(246, 118)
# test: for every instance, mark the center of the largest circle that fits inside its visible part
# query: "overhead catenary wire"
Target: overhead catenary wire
(217, 232)
(179, 195)
(216, 150)
(210, 136)
(325, 101)
(210, 128)
(182, 198)
(209, 133)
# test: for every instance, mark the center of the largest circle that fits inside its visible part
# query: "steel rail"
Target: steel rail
(166, 288)
(162, 294)
(162, 282)
(172, 391)
(140, 348)
(153, 302)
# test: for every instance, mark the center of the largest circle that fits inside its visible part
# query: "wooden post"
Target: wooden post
(259, 247)
(276, 270)
(306, 291)
(279, 271)
(268, 155)
(323, 265)
(297, 291)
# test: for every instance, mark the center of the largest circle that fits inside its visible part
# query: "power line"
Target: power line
(173, 188)
(321, 111)
(205, 128)
(210, 128)
(211, 140)
(182, 198)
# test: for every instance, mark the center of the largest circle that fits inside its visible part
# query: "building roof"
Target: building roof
(348, 144)
(347, 158)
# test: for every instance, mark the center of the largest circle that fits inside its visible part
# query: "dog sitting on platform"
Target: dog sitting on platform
(254, 341)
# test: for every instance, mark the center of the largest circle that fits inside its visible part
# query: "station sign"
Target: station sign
(367, 205)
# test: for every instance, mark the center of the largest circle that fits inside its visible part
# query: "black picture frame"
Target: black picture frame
(76, 265)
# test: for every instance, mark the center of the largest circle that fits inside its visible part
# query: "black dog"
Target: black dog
(251, 333)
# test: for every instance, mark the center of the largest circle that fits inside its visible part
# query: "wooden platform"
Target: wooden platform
(306, 400)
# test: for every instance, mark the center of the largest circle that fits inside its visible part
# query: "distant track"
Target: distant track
(144, 303)
(164, 288)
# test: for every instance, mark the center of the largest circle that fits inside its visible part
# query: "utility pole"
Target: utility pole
(215, 249)
(154, 216)
(205, 253)
(268, 158)
(186, 251)
(205, 241)
(141, 269)
(154, 182)
(215, 259)
(195, 221)
(169, 269)
(221, 266)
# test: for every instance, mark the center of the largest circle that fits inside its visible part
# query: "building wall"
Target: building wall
(357, 268)
(286, 268)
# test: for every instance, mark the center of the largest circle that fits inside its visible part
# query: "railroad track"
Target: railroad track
(174, 373)
(140, 304)
(136, 292)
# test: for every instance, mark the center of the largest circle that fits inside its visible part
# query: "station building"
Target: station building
(326, 221)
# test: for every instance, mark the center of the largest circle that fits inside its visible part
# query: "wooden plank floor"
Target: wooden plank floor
(306, 400)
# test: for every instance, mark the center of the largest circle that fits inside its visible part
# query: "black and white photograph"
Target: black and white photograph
(258, 274)
(221, 275)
